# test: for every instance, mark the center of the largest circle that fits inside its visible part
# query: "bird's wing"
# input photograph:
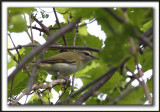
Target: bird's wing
(59, 59)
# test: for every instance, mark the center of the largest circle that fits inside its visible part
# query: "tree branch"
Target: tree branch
(114, 15)
(50, 40)
(115, 101)
(52, 47)
(57, 21)
(96, 86)
(149, 32)
(143, 38)
(88, 85)
(42, 86)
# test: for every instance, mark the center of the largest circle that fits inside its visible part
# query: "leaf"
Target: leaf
(17, 24)
(137, 15)
(115, 50)
(146, 60)
(134, 97)
(146, 26)
(150, 85)
(19, 83)
(20, 10)
(111, 84)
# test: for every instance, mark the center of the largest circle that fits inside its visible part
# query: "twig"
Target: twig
(143, 38)
(42, 86)
(86, 23)
(115, 101)
(34, 72)
(46, 29)
(51, 47)
(25, 68)
(11, 90)
(61, 94)
(43, 102)
(114, 15)
(42, 30)
(149, 32)
(140, 73)
(112, 69)
(57, 21)
(31, 29)
(16, 101)
(50, 40)
(75, 37)
(96, 86)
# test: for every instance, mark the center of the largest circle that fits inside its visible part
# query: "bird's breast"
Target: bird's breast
(64, 68)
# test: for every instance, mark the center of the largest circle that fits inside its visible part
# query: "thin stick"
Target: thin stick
(53, 47)
(75, 37)
(57, 20)
(42, 86)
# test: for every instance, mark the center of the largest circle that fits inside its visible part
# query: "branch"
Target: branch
(143, 38)
(42, 101)
(42, 86)
(96, 86)
(88, 85)
(140, 73)
(51, 47)
(115, 101)
(149, 32)
(50, 40)
(42, 30)
(114, 15)
(75, 37)
(57, 21)
(34, 72)
(91, 83)
(46, 29)
(86, 23)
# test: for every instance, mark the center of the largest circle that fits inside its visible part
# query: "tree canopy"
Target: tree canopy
(125, 57)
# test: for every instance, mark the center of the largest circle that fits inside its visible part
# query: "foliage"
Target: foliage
(117, 48)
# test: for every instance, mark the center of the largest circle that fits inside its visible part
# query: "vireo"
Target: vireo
(66, 63)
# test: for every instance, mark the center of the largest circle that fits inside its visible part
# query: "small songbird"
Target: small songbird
(66, 63)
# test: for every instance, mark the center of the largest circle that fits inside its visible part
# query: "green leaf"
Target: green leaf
(150, 85)
(137, 16)
(34, 100)
(146, 26)
(112, 84)
(20, 10)
(134, 97)
(18, 24)
(19, 83)
(146, 60)
(115, 50)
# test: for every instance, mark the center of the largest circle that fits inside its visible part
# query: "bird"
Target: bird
(66, 63)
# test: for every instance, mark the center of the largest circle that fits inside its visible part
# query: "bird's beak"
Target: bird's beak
(94, 57)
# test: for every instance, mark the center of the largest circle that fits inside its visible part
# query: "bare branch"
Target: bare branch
(53, 47)
(31, 29)
(57, 20)
(75, 37)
